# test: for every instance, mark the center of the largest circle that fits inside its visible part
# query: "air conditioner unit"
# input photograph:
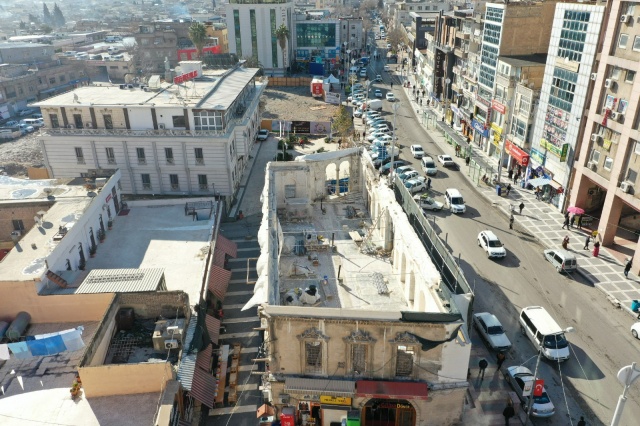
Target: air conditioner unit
(283, 398)
(626, 187)
(162, 126)
(171, 344)
(594, 76)
(595, 137)
(608, 83)
(592, 165)
(625, 18)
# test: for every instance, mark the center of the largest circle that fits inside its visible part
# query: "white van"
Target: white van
(35, 122)
(454, 201)
(544, 332)
(429, 166)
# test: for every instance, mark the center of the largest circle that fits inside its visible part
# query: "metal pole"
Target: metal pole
(535, 374)
(396, 105)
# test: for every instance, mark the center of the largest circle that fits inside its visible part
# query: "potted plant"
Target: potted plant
(109, 223)
(92, 251)
(75, 391)
(82, 264)
(101, 235)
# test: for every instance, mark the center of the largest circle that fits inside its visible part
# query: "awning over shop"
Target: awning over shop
(218, 281)
(226, 245)
(517, 153)
(203, 387)
(391, 390)
(213, 327)
(319, 386)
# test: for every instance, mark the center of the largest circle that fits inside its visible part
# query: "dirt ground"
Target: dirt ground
(18, 154)
(295, 103)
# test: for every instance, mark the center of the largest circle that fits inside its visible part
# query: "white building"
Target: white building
(572, 52)
(251, 26)
(191, 138)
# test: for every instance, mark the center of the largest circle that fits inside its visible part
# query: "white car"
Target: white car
(377, 93)
(417, 151)
(491, 244)
(385, 139)
(416, 184)
(357, 113)
(358, 86)
(380, 126)
(387, 68)
(375, 135)
(363, 73)
(635, 330)
(521, 379)
(410, 174)
(263, 135)
(446, 160)
(402, 169)
(428, 203)
(378, 78)
(388, 45)
(390, 97)
(373, 114)
(24, 128)
(24, 112)
(491, 331)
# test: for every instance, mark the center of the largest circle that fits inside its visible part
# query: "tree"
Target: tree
(23, 25)
(282, 34)
(342, 122)
(46, 15)
(395, 37)
(58, 17)
(34, 19)
(198, 36)
(46, 29)
(253, 62)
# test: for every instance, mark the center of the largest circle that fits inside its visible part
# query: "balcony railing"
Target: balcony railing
(129, 132)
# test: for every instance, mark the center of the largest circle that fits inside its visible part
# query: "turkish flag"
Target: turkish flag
(538, 387)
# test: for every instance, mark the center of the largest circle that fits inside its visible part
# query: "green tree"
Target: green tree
(33, 18)
(58, 17)
(46, 29)
(342, 122)
(46, 15)
(282, 34)
(253, 62)
(22, 25)
(198, 36)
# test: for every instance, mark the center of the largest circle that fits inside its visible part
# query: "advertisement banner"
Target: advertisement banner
(537, 156)
(332, 98)
(517, 153)
(302, 127)
(479, 127)
(497, 106)
(335, 400)
(558, 151)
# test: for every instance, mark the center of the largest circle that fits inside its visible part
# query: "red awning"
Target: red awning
(218, 281)
(213, 327)
(203, 360)
(203, 387)
(226, 246)
(218, 258)
(517, 153)
(391, 390)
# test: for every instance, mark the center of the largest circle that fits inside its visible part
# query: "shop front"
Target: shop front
(390, 403)
(320, 402)
(517, 155)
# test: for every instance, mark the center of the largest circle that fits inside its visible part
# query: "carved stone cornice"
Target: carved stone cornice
(404, 337)
(359, 336)
(312, 334)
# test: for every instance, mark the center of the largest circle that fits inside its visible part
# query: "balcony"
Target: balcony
(461, 52)
(462, 35)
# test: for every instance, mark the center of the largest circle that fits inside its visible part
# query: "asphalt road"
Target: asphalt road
(584, 385)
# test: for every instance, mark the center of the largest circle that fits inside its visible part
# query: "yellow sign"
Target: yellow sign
(335, 400)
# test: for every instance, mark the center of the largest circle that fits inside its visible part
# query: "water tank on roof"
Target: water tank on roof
(18, 326)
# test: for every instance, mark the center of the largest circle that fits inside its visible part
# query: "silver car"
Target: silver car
(491, 331)
(522, 381)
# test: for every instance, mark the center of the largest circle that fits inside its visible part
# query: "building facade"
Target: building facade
(181, 139)
(251, 28)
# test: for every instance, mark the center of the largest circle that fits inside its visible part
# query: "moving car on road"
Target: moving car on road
(377, 93)
(562, 260)
(522, 381)
(491, 331)
(417, 151)
(454, 200)
(446, 160)
(387, 68)
(491, 244)
(378, 78)
(429, 166)
(263, 135)
(390, 97)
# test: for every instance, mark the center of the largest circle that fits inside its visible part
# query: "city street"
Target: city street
(601, 343)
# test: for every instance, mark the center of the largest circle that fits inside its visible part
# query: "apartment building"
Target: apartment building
(401, 16)
(183, 139)
(606, 167)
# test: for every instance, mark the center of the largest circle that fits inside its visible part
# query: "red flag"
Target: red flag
(538, 388)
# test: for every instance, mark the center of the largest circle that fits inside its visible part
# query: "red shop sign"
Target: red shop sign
(516, 152)
(495, 105)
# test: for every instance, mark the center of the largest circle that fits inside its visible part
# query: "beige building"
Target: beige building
(358, 320)
(218, 33)
(606, 166)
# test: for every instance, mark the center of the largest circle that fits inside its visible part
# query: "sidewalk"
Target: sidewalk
(539, 219)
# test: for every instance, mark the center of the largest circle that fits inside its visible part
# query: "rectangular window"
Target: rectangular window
(52, 80)
(623, 40)
(146, 180)
(595, 156)
(313, 357)
(236, 25)
(79, 155)
(274, 39)
(55, 124)
(615, 73)
(636, 43)
(608, 163)
(111, 156)
(315, 35)
(630, 76)
(77, 121)
(18, 225)
(62, 78)
(173, 179)
(108, 121)
(404, 361)
(202, 182)
(637, 148)
(141, 157)
(254, 33)
(359, 356)
(179, 121)
(168, 153)
(208, 120)
(199, 156)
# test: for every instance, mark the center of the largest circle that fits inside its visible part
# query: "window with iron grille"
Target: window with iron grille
(175, 185)
(79, 155)
(359, 357)
(111, 156)
(18, 225)
(168, 153)
(55, 124)
(199, 156)
(77, 120)
(141, 156)
(202, 182)
(108, 121)
(404, 361)
(313, 357)
(146, 181)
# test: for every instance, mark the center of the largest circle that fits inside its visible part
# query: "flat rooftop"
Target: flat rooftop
(212, 92)
(365, 281)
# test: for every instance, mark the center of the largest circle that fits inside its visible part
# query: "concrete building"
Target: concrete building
(190, 138)
(352, 35)
(251, 27)
(359, 322)
(401, 16)
(605, 168)
(565, 93)
(25, 53)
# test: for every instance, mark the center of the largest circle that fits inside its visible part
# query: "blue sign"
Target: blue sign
(479, 127)
(537, 156)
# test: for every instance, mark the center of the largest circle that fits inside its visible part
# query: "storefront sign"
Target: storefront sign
(497, 132)
(516, 152)
(537, 156)
(479, 127)
(335, 400)
(455, 110)
(394, 405)
(497, 106)
(558, 151)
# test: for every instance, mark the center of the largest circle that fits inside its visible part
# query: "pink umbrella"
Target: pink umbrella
(575, 210)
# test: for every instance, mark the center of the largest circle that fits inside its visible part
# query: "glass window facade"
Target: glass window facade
(208, 120)
(316, 35)
(254, 33)
(573, 35)
(494, 14)
(236, 25)
(274, 39)
(563, 87)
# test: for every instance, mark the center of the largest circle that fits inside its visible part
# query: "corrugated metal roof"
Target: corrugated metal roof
(121, 281)
(219, 281)
(204, 387)
(188, 361)
(320, 386)
(227, 246)
(213, 327)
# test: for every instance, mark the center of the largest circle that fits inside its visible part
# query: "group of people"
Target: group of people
(570, 221)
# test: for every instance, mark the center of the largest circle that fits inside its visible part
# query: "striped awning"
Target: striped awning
(213, 327)
(203, 361)
(218, 258)
(203, 387)
(319, 386)
(227, 246)
(218, 281)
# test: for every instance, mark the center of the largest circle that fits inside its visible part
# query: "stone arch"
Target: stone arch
(403, 266)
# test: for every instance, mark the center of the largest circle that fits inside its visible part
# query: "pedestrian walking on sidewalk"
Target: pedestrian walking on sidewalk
(627, 267)
(565, 242)
(501, 357)
(538, 192)
(508, 189)
(580, 222)
(566, 222)
(511, 221)
(515, 178)
(573, 220)
(428, 183)
(508, 412)
(586, 242)
(482, 365)
(596, 249)
(467, 160)
(510, 174)
(521, 206)
(582, 422)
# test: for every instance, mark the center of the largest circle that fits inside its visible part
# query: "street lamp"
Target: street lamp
(535, 373)
(396, 105)
(627, 375)
(446, 95)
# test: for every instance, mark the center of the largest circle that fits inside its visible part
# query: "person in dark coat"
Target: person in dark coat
(573, 220)
(508, 412)
(580, 222)
(508, 189)
(511, 221)
(501, 357)
(582, 422)
(521, 206)
(482, 365)
(627, 267)
(586, 242)
(566, 222)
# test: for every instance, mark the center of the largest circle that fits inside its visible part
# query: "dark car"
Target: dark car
(387, 167)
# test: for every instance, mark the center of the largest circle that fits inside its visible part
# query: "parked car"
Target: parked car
(491, 244)
(390, 97)
(24, 128)
(358, 112)
(375, 135)
(11, 123)
(388, 45)
(409, 174)
(417, 151)
(402, 169)
(378, 78)
(562, 260)
(491, 331)
(384, 139)
(377, 93)
(635, 330)
(522, 380)
(25, 112)
(387, 167)
(358, 86)
(387, 68)
(427, 203)
(446, 160)
(416, 184)
(263, 135)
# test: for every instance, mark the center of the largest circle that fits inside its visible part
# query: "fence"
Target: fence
(289, 81)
